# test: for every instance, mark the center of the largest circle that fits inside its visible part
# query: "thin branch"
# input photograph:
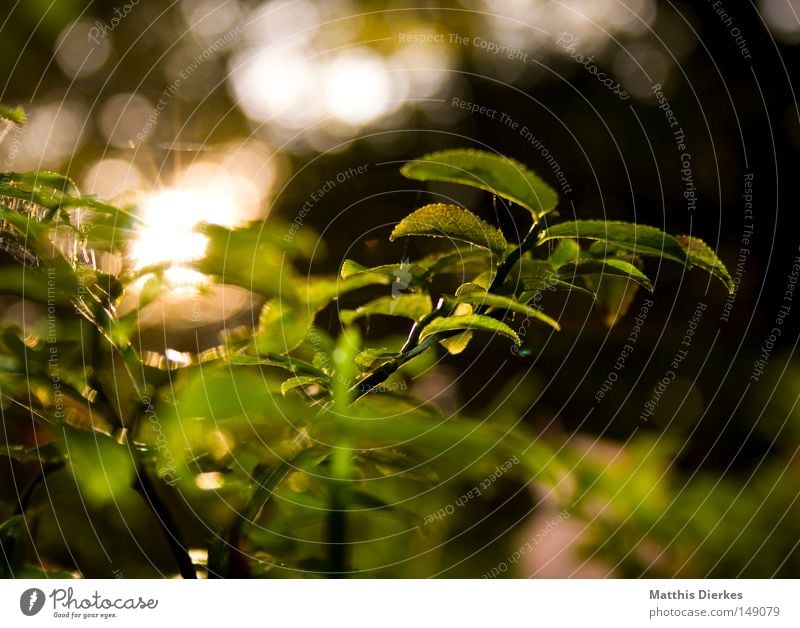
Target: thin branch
(418, 326)
(528, 242)
(337, 538)
(144, 486)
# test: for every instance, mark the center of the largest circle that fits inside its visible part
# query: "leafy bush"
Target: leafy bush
(284, 450)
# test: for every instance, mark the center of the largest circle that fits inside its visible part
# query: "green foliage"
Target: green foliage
(302, 435)
(642, 240)
(648, 522)
(15, 115)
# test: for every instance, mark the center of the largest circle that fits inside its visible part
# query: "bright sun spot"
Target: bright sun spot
(205, 192)
(167, 233)
(357, 87)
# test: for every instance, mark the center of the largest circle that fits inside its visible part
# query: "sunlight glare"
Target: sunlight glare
(167, 235)
(204, 192)
(357, 87)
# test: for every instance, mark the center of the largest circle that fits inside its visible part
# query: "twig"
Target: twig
(509, 262)
(177, 546)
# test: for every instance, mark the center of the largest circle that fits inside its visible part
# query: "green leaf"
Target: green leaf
(702, 255)
(449, 221)
(318, 292)
(282, 327)
(370, 358)
(304, 243)
(405, 274)
(482, 298)
(615, 294)
(413, 306)
(529, 295)
(20, 224)
(301, 382)
(530, 275)
(351, 267)
(15, 115)
(462, 261)
(102, 467)
(291, 364)
(494, 173)
(450, 441)
(567, 250)
(610, 266)
(242, 257)
(457, 344)
(469, 322)
(51, 191)
(638, 239)
(44, 454)
(40, 181)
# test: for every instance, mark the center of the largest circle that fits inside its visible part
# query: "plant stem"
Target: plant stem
(509, 262)
(337, 536)
(144, 486)
(418, 326)
(39, 478)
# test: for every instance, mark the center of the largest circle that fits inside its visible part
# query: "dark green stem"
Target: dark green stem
(144, 486)
(337, 537)
(416, 329)
(528, 242)
(39, 478)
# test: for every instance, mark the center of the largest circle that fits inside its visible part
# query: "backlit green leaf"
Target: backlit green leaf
(282, 327)
(449, 221)
(102, 467)
(457, 344)
(242, 258)
(702, 255)
(469, 322)
(15, 115)
(494, 173)
(483, 298)
(413, 306)
(463, 261)
(567, 250)
(530, 275)
(610, 266)
(301, 382)
(406, 274)
(638, 239)
(317, 292)
(615, 293)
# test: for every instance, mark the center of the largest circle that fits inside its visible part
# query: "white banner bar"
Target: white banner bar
(399, 603)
